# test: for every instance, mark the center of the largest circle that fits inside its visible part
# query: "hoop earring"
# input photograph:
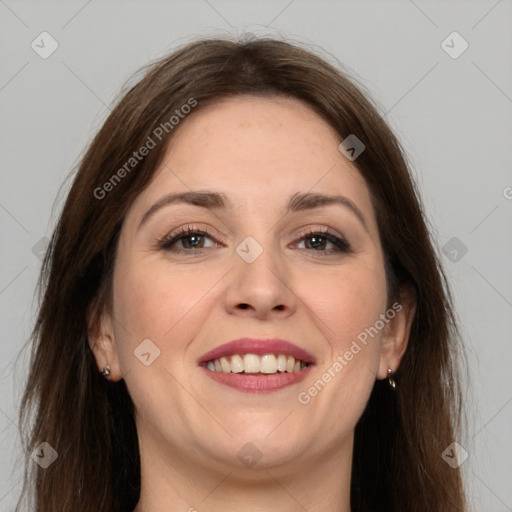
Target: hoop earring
(391, 381)
(106, 371)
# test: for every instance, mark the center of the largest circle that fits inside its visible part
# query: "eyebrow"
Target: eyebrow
(217, 200)
(204, 199)
(309, 201)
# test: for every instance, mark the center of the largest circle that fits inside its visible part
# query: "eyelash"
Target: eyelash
(340, 243)
(184, 232)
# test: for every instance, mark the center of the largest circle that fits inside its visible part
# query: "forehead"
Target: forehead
(257, 150)
(260, 132)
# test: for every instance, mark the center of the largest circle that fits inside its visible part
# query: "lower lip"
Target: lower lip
(258, 383)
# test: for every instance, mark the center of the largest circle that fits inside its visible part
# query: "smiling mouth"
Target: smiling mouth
(253, 364)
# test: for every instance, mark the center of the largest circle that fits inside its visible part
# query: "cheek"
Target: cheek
(347, 303)
(159, 302)
(347, 307)
(168, 306)
(344, 306)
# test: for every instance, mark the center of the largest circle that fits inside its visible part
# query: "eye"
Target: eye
(323, 241)
(189, 238)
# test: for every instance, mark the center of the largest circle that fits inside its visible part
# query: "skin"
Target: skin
(258, 152)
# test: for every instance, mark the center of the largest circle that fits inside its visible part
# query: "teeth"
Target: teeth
(252, 363)
(268, 364)
(226, 366)
(237, 364)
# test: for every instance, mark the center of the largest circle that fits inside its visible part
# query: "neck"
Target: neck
(172, 482)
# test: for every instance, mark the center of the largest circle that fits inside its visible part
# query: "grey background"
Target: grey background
(452, 115)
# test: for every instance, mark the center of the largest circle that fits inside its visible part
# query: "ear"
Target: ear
(396, 334)
(102, 341)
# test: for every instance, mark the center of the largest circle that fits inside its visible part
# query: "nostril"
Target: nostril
(246, 306)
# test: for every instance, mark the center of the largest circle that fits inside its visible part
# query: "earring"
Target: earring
(106, 371)
(391, 381)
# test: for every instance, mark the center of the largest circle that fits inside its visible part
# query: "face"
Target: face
(258, 254)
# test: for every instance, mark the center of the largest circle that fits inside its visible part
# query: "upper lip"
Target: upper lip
(258, 346)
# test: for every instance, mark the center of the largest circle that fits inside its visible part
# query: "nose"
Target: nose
(261, 289)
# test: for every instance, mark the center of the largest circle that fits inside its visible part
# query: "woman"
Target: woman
(242, 305)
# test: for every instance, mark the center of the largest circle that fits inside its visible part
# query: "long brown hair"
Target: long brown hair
(397, 463)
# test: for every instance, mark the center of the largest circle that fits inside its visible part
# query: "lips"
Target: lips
(257, 365)
(258, 347)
